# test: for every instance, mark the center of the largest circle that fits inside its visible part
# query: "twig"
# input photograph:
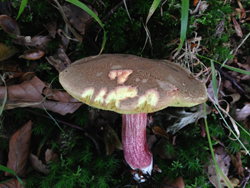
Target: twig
(110, 13)
(230, 78)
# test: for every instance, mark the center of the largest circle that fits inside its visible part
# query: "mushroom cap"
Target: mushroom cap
(129, 84)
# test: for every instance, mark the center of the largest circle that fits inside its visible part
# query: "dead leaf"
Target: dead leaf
(39, 42)
(51, 156)
(51, 27)
(60, 8)
(236, 160)
(174, 183)
(19, 146)
(14, 183)
(196, 2)
(242, 114)
(32, 54)
(9, 25)
(203, 6)
(111, 140)
(38, 165)
(247, 68)
(59, 60)
(212, 171)
(79, 18)
(6, 51)
(31, 93)
(219, 28)
(237, 28)
(160, 131)
(178, 117)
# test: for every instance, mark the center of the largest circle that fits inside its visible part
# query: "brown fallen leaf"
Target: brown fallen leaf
(31, 93)
(51, 156)
(39, 42)
(38, 165)
(236, 160)
(111, 140)
(6, 51)
(160, 131)
(9, 25)
(59, 60)
(79, 18)
(237, 28)
(174, 183)
(32, 54)
(60, 8)
(51, 27)
(212, 171)
(14, 183)
(19, 146)
(242, 114)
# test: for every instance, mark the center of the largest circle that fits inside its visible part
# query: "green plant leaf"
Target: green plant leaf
(210, 143)
(23, 4)
(184, 21)
(226, 66)
(6, 169)
(84, 7)
(214, 82)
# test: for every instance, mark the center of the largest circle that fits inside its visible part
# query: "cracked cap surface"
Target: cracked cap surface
(129, 84)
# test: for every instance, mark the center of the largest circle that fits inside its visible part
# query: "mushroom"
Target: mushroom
(132, 86)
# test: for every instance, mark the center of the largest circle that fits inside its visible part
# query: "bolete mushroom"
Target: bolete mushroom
(132, 86)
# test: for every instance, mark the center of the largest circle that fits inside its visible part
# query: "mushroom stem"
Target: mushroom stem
(135, 147)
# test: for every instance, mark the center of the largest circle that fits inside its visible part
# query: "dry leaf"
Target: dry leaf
(174, 183)
(51, 26)
(160, 131)
(19, 150)
(32, 54)
(59, 60)
(212, 171)
(196, 2)
(60, 8)
(237, 28)
(51, 156)
(6, 51)
(14, 183)
(242, 114)
(39, 42)
(236, 160)
(111, 140)
(9, 25)
(38, 165)
(79, 18)
(31, 93)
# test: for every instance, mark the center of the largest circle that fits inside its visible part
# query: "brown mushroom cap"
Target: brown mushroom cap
(129, 84)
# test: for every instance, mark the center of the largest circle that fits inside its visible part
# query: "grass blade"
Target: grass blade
(210, 144)
(22, 6)
(184, 21)
(6, 169)
(214, 82)
(84, 7)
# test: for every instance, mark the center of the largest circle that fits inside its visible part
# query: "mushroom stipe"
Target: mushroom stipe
(132, 86)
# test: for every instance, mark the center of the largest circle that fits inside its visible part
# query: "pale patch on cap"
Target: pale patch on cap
(122, 75)
(148, 101)
(87, 94)
(119, 94)
(99, 99)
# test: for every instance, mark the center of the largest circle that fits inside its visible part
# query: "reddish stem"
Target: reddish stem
(135, 147)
